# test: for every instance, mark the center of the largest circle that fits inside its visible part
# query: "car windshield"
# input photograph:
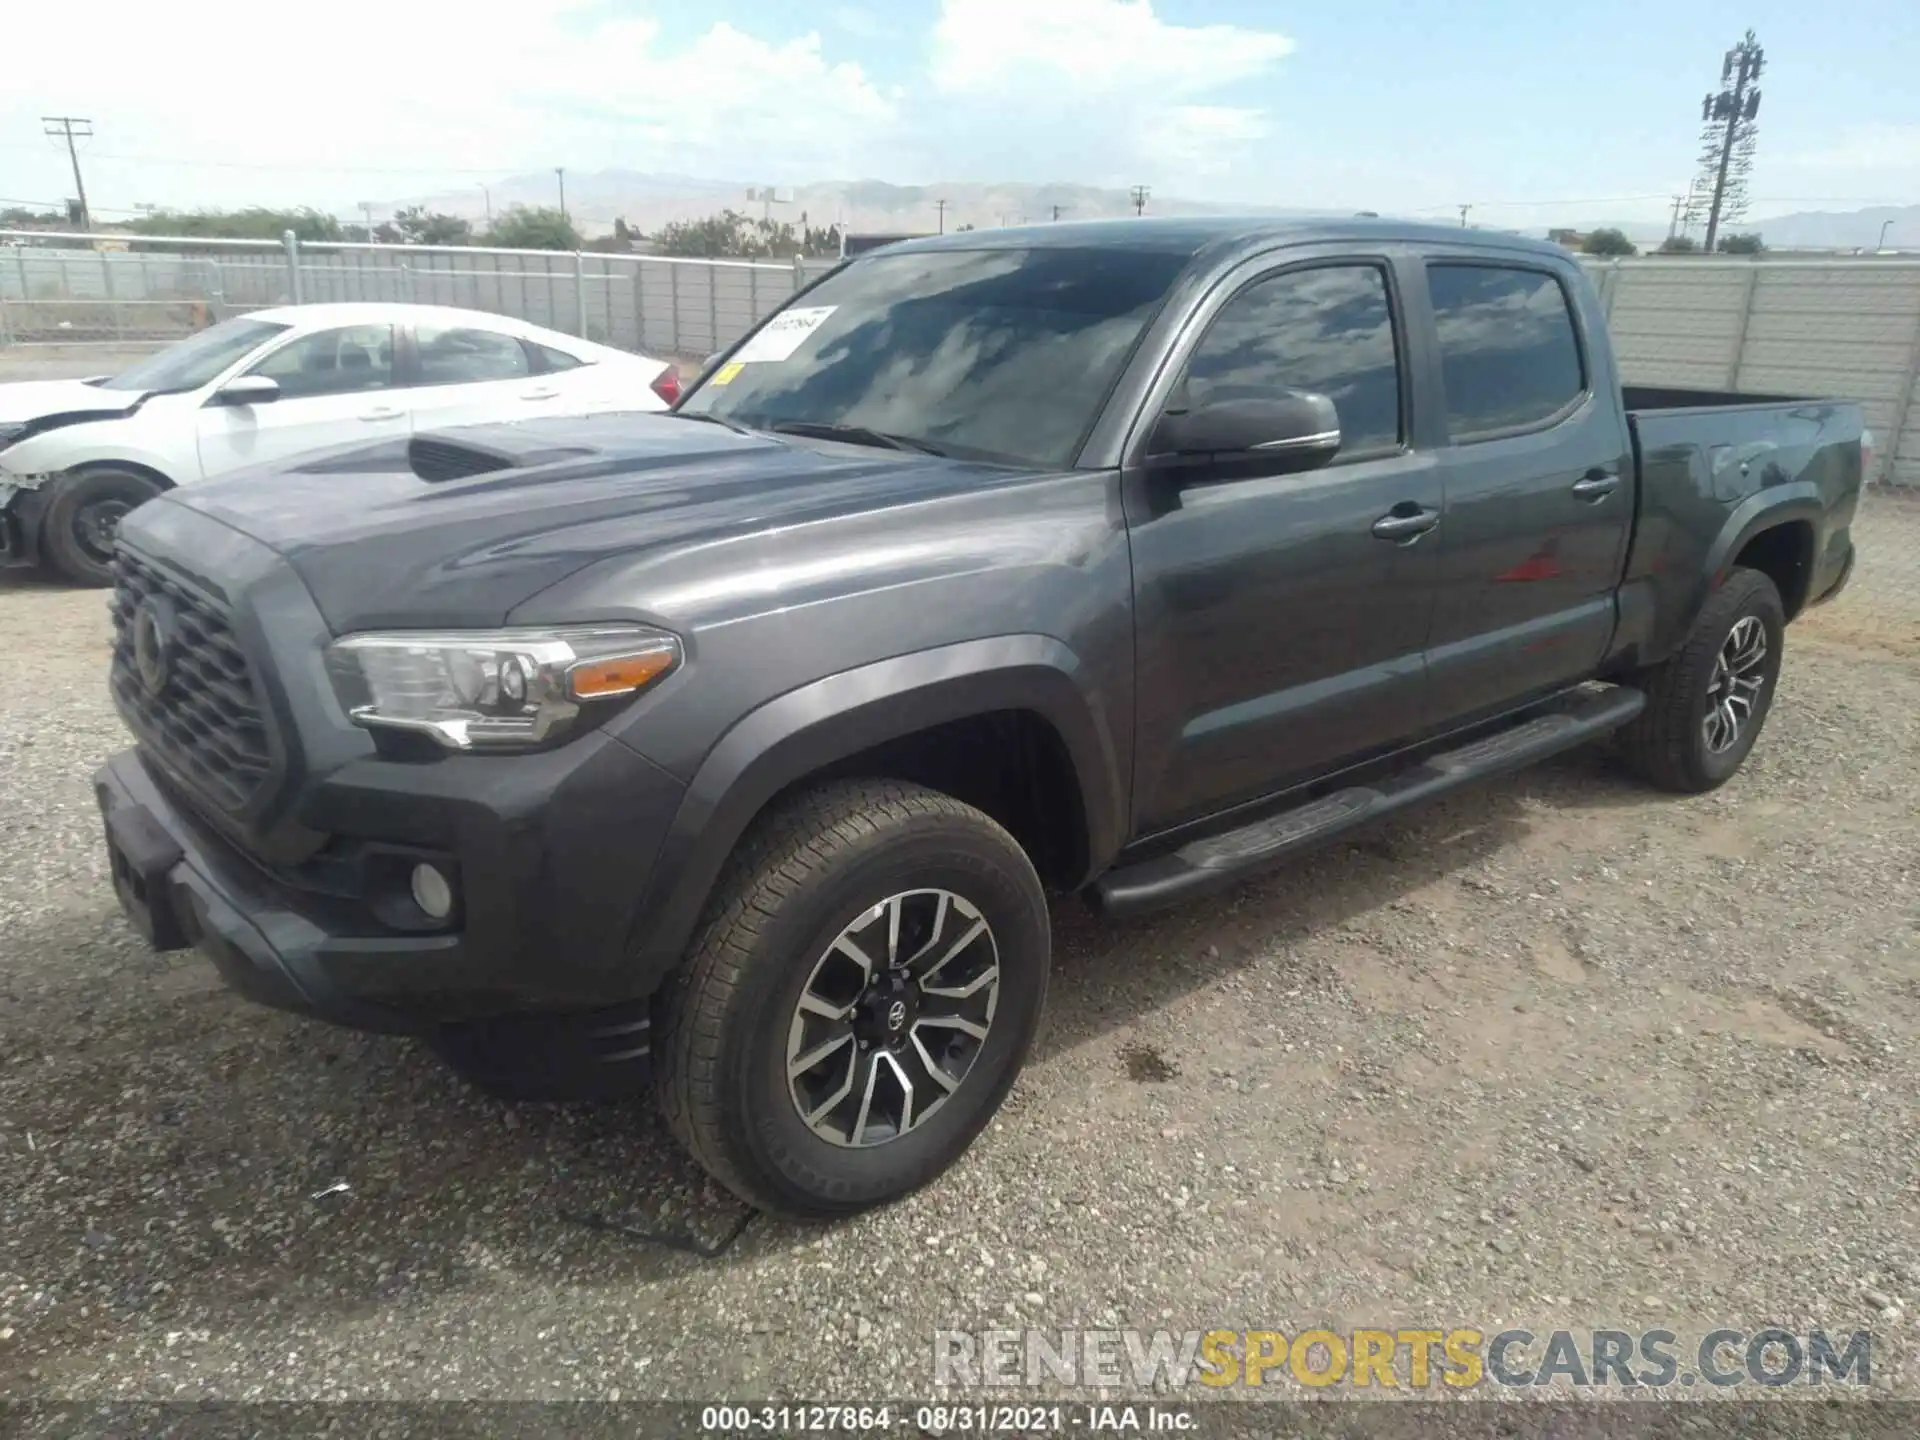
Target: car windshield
(197, 360)
(996, 354)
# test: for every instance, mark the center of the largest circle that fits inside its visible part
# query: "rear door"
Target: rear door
(1538, 475)
(461, 373)
(1276, 632)
(336, 386)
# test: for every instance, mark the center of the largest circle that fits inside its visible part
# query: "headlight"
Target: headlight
(498, 690)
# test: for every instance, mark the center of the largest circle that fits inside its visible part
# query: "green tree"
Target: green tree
(533, 227)
(1609, 242)
(416, 225)
(1741, 245)
(1679, 245)
(19, 217)
(731, 235)
(254, 223)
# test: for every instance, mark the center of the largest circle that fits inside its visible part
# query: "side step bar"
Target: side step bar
(1213, 864)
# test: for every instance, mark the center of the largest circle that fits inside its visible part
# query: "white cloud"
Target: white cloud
(411, 85)
(1099, 89)
(1095, 46)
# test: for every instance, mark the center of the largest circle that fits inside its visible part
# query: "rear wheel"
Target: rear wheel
(859, 1001)
(84, 516)
(1706, 705)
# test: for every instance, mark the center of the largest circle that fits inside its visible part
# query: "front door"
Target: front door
(336, 387)
(1279, 626)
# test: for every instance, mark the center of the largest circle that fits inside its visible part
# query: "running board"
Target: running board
(1212, 864)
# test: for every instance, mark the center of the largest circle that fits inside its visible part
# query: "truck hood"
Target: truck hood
(43, 404)
(379, 546)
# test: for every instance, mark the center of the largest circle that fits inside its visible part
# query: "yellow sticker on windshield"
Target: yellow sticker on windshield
(724, 375)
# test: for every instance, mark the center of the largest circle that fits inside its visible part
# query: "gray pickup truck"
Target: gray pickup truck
(740, 747)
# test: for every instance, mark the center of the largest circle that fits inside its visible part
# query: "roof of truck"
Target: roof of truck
(1195, 233)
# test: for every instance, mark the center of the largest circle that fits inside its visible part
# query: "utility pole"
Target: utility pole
(1140, 194)
(1057, 212)
(1729, 137)
(62, 127)
(486, 194)
(366, 209)
(1463, 215)
(560, 173)
(1885, 226)
(941, 206)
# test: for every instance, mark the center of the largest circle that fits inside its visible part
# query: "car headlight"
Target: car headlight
(496, 690)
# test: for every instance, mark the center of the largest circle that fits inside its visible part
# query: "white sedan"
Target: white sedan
(76, 455)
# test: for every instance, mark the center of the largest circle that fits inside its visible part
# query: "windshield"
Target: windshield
(194, 362)
(1002, 355)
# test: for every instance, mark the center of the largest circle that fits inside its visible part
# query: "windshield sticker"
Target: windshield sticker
(784, 334)
(724, 375)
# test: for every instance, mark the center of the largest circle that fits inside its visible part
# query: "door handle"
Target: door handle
(1596, 485)
(383, 413)
(546, 394)
(1405, 523)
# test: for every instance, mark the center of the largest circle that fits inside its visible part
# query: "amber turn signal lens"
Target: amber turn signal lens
(619, 674)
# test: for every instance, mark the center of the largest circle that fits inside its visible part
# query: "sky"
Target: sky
(1533, 113)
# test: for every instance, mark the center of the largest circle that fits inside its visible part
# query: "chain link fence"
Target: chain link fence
(1843, 327)
(59, 289)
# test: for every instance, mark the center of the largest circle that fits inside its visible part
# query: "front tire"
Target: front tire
(85, 512)
(859, 1000)
(1707, 704)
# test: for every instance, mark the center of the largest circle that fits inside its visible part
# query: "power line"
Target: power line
(60, 126)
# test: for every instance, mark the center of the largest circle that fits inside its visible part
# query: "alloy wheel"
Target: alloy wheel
(1739, 675)
(893, 1016)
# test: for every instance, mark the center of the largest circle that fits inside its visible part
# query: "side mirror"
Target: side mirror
(248, 390)
(1276, 434)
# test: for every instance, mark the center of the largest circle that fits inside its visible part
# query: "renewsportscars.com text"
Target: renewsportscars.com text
(1458, 1358)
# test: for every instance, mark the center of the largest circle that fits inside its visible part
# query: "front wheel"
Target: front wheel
(859, 1001)
(84, 516)
(1708, 702)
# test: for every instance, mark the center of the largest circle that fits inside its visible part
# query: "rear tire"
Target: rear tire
(1707, 704)
(850, 895)
(81, 520)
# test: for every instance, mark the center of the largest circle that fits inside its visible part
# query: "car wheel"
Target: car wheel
(860, 997)
(1707, 704)
(83, 517)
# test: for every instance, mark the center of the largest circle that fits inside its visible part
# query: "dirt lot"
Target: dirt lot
(1560, 1052)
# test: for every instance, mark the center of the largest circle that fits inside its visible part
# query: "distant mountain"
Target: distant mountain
(648, 202)
(1842, 230)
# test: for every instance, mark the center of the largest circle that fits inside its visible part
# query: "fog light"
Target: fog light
(432, 892)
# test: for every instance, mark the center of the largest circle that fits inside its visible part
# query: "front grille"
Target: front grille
(205, 722)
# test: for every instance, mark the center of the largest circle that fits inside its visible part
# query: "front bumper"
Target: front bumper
(21, 510)
(545, 899)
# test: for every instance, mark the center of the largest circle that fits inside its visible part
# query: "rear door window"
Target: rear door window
(1510, 355)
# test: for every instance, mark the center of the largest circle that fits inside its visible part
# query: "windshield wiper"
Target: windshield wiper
(855, 435)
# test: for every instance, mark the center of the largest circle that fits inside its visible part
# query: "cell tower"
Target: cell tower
(1729, 132)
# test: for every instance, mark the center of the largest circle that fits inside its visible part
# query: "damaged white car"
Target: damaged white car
(76, 455)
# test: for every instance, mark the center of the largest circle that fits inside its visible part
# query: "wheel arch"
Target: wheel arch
(825, 729)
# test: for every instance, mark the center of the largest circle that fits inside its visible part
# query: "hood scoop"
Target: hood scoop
(435, 458)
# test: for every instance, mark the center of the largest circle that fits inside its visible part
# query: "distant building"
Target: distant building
(1569, 239)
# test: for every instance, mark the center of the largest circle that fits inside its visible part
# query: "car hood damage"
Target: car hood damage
(33, 407)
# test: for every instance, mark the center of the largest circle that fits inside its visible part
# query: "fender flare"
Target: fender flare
(1762, 510)
(807, 729)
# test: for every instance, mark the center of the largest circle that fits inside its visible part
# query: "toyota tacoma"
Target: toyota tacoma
(737, 750)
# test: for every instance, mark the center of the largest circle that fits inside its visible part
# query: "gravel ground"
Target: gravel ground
(1560, 1051)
